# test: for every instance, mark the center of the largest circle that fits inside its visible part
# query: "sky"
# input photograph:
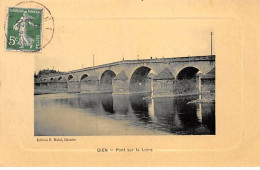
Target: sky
(78, 37)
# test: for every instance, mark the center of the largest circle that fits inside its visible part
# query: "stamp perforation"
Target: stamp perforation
(42, 36)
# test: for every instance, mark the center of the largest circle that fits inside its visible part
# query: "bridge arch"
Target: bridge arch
(70, 77)
(186, 81)
(187, 73)
(105, 82)
(60, 78)
(83, 76)
(139, 81)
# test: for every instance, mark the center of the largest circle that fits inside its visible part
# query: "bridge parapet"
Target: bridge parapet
(140, 61)
(175, 59)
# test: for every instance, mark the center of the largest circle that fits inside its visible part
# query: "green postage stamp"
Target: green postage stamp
(24, 29)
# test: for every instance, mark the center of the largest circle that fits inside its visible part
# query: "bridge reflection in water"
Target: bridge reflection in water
(104, 114)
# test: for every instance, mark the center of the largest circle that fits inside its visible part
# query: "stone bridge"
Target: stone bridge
(159, 76)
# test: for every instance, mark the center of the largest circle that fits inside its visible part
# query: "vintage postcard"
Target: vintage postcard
(129, 83)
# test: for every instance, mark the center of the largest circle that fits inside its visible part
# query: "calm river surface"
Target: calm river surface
(104, 114)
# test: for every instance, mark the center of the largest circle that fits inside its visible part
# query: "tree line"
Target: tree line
(45, 72)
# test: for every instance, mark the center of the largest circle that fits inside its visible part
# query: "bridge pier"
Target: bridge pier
(120, 84)
(89, 85)
(208, 85)
(163, 84)
(73, 87)
(162, 88)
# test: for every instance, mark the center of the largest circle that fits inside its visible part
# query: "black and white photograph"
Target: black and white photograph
(141, 77)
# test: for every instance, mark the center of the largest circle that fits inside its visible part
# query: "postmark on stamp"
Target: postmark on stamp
(24, 29)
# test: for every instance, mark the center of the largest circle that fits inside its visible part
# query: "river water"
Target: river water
(105, 115)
